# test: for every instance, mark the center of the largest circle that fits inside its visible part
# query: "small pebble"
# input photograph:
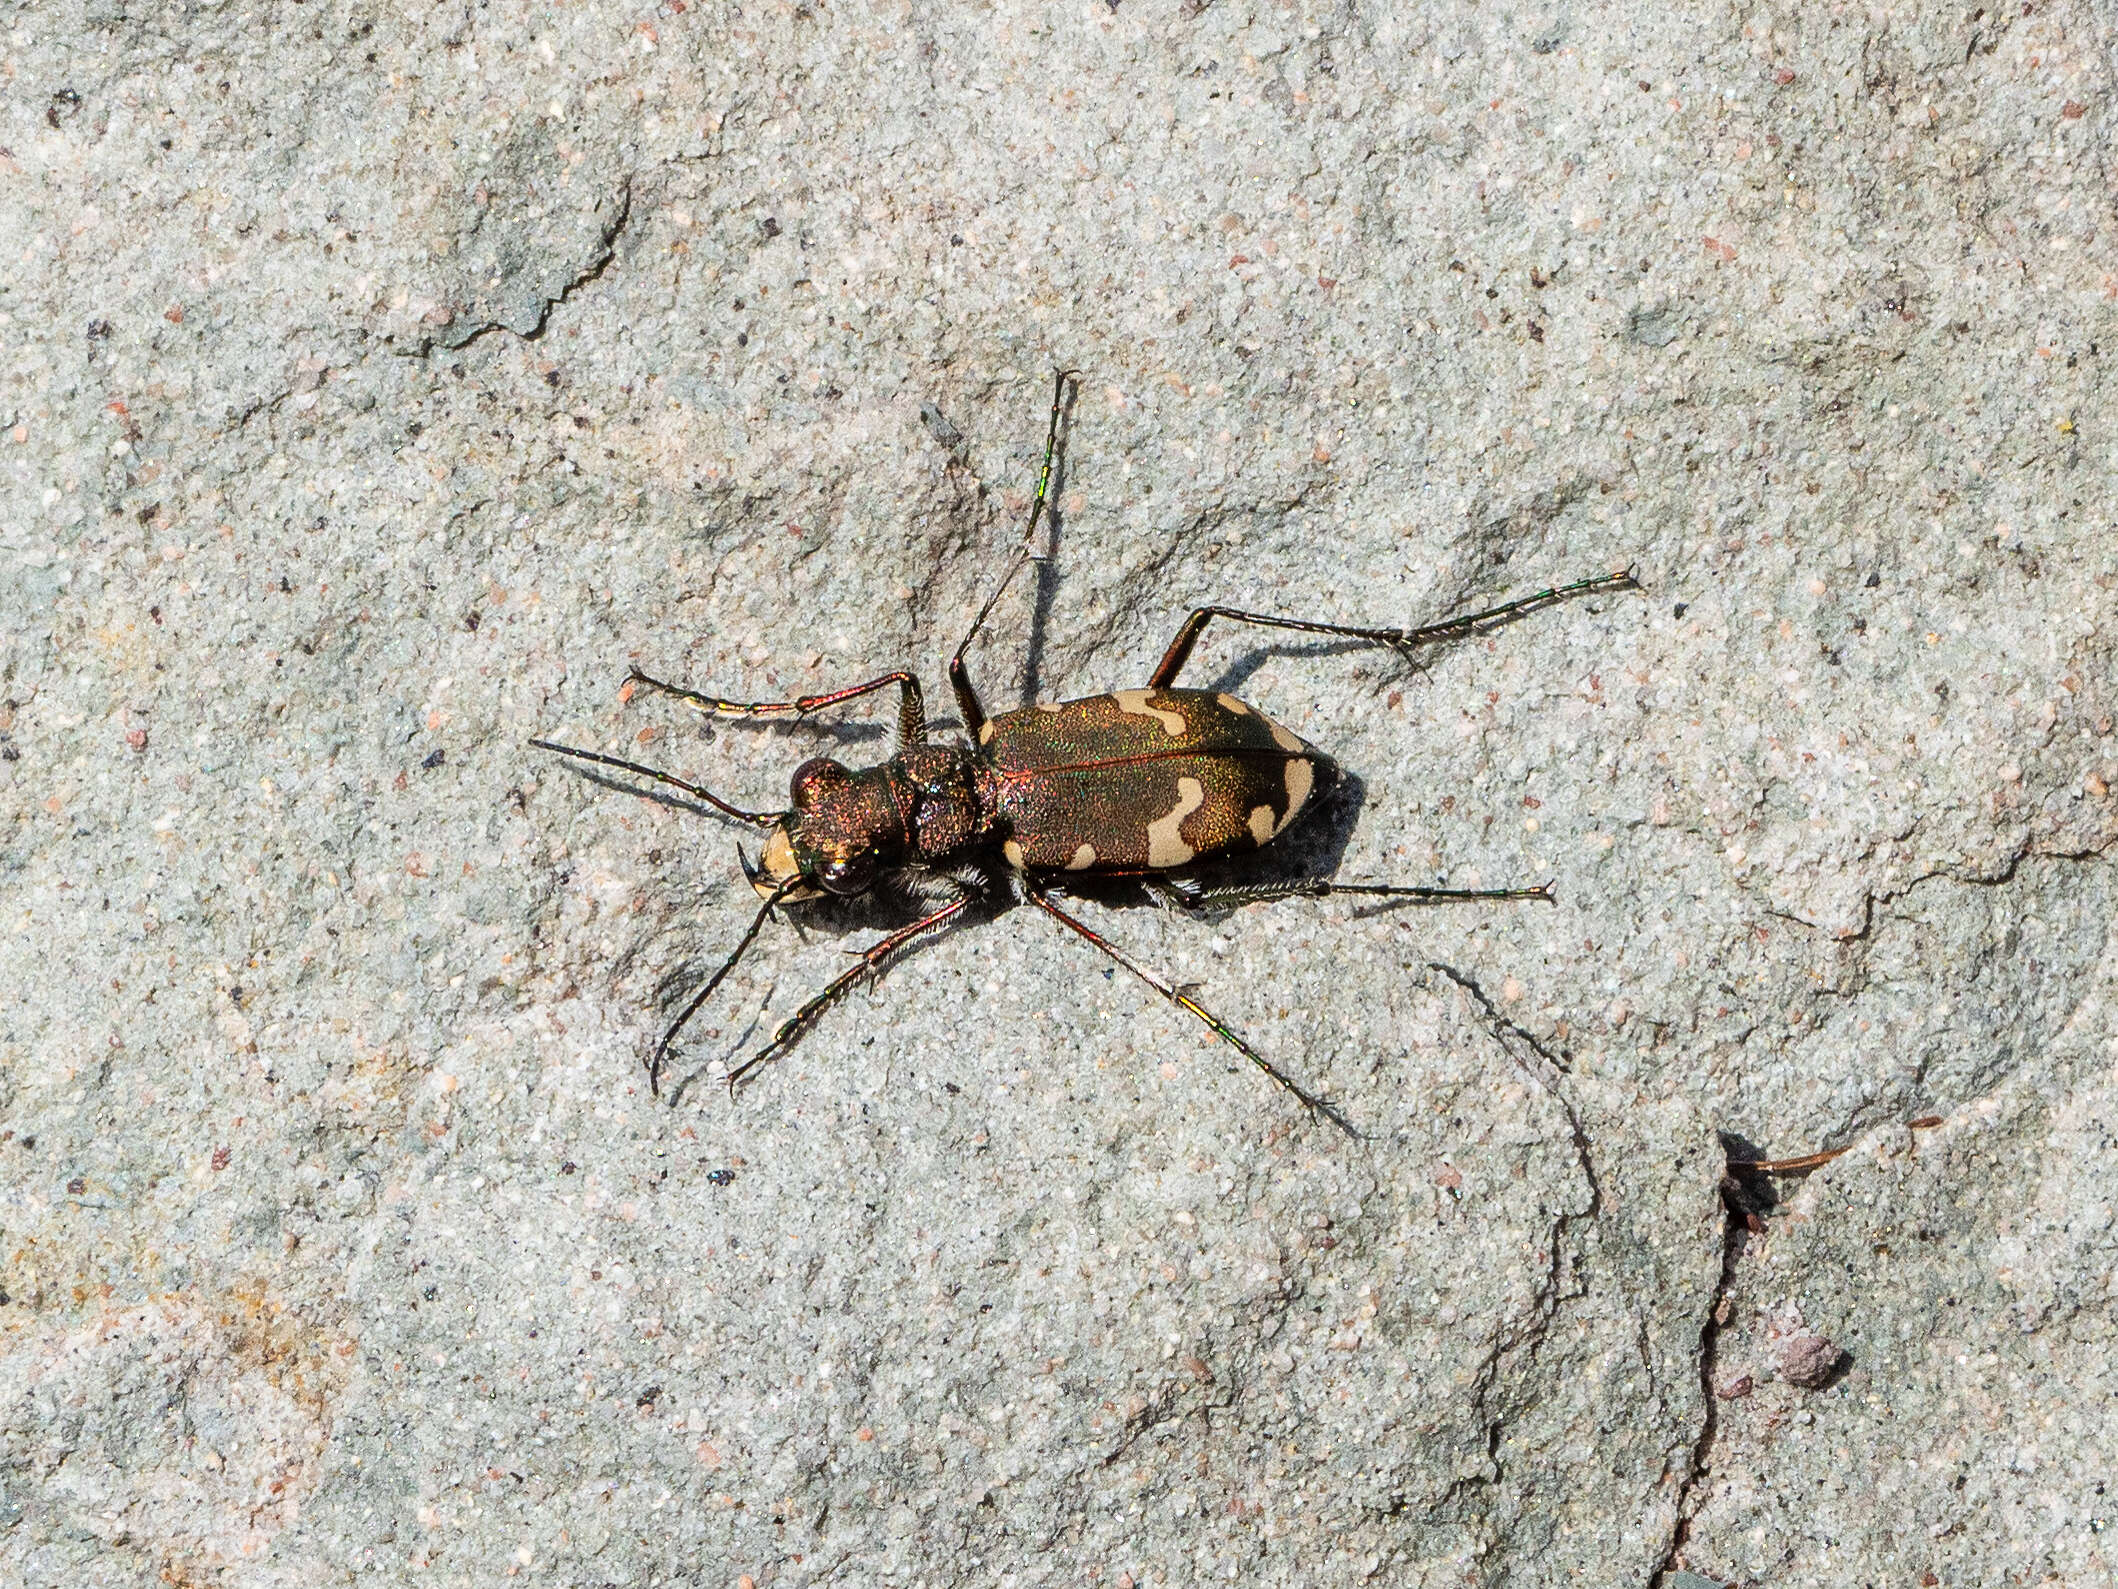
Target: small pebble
(1807, 1360)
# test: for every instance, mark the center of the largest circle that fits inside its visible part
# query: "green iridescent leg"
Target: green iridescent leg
(967, 701)
(871, 959)
(1184, 1001)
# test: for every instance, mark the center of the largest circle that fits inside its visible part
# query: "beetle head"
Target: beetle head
(831, 842)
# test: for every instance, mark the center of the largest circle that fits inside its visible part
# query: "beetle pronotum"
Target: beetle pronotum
(1140, 784)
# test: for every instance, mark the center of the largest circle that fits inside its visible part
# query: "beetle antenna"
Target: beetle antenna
(757, 922)
(763, 819)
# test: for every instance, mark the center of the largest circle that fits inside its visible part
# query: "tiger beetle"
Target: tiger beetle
(1139, 785)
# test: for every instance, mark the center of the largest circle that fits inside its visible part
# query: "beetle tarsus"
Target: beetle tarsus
(1323, 1109)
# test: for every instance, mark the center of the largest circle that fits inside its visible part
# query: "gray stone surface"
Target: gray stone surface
(377, 385)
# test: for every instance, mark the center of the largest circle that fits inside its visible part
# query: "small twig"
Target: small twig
(1810, 1161)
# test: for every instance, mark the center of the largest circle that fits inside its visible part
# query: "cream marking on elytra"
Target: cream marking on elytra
(1051, 706)
(1282, 738)
(1231, 704)
(1165, 846)
(1262, 824)
(1135, 701)
(986, 731)
(1084, 858)
(1301, 778)
(1013, 852)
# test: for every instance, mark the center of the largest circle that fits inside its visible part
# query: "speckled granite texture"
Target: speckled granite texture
(379, 383)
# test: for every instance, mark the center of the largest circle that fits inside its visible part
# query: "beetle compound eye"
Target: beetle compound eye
(813, 780)
(850, 874)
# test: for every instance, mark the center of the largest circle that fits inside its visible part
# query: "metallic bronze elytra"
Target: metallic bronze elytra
(1139, 784)
(1144, 781)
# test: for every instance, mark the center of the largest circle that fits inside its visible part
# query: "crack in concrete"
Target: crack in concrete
(599, 258)
(1166, 1406)
(2027, 850)
(1854, 972)
(1545, 1073)
(1528, 1334)
(1733, 1231)
(1736, 1228)
(238, 419)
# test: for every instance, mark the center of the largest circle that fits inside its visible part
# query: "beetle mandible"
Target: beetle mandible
(1142, 785)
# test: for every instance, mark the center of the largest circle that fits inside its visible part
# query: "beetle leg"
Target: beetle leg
(1179, 651)
(871, 959)
(1187, 895)
(761, 818)
(967, 701)
(1184, 1001)
(929, 885)
(911, 704)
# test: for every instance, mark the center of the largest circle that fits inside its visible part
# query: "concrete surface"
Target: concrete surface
(379, 383)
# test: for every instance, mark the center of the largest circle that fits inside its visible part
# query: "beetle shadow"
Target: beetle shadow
(679, 989)
(822, 730)
(1313, 847)
(881, 911)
